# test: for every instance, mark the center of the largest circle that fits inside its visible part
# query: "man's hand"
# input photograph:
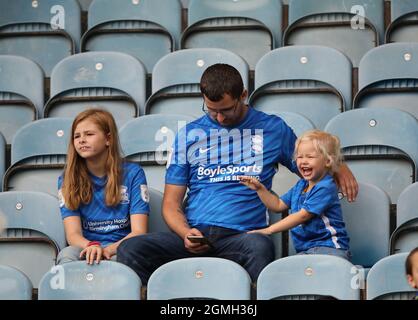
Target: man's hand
(347, 182)
(194, 247)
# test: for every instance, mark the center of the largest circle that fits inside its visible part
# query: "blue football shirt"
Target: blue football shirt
(326, 228)
(207, 158)
(110, 224)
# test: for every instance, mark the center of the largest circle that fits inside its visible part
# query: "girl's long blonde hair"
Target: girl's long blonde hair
(325, 144)
(77, 187)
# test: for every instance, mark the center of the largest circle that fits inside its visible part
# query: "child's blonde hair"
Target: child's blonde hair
(326, 144)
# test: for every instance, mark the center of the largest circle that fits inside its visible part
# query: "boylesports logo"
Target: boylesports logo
(203, 172)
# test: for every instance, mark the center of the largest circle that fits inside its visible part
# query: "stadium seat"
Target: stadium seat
(307, 277)
(115, 81)
(38, 157)
(34, 233)
(21, 93)
(108, 280)
(176, 79)
(84, 4)
(405, 236)
(2, 159)
(387, 280)
(147, 140)
(298, 79)
(404, 22)
(351, 26)
(388, 78)
(156, 222)
(145, 29)
(246, 27)
(14, 285)
(379, 146)
(199, 278)
(367, 221)
(44, 31)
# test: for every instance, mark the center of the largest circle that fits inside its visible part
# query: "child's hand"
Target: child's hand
(251, 182)
(265, 231)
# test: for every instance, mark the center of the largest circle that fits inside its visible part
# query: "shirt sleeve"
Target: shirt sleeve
(65, 212)
(319, 199)
(177, 163)
(287, 197)
(139, 195)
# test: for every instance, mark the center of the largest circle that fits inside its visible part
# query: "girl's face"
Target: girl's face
(90, 141)
(413, 278)
(311, 164)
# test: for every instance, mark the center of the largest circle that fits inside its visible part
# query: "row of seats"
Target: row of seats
(296, 79)
(34, 232)
(145, 31)
(304, 277)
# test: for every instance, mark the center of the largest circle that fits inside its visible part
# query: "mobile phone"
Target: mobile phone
(199, 239)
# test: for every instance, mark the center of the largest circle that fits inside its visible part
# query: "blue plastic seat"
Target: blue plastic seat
(388, 77)
(404, 21)
(307, 277)
(108, 280)
(204, 278)
(367, 221)
(298, 79)
(45, 31)
(351, 26)
(2, 160)
(145, 29)
(38, 157)
(84, 4)
(176, 79)
(232, 25)
(405, 236)
(387, 280)
(14, 285)
(115, 81)
(147, 140)
(34, 232)
(21, 93)
(156, 222)
(379, 146)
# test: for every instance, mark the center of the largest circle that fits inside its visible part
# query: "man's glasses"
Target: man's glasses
(228, 112)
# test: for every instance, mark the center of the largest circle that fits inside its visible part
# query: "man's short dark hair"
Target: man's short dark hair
(408, 262)
(220, 79)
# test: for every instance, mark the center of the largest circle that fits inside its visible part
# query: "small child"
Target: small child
(315, 218)
(411, 268)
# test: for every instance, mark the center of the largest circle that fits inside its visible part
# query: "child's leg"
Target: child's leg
(69, 254)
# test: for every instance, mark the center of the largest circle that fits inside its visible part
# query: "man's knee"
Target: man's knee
(260, 245)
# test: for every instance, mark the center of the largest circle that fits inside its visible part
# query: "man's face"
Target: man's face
(227, 111)
(413, 278)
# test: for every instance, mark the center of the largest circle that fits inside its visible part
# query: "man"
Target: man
(209, 154)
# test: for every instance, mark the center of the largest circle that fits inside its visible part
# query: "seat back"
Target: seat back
(306, 277)
(176, 79)
(34, 232)
(387, 280)
(2, 160)
(367, 221)
(350, 26)
(232, 25)
(146, 29)
(298, 79)
(21, 93)
(113, 80)
(373, 150)
(156, 222)
(148, 139)
(29, 28)
(108, 280)
(209, 278)
(404, 22)
(14, 285)
(388, 77)
(405, 236)
(38, 157)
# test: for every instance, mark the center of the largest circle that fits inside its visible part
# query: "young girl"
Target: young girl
(103, 200)
(315, 217)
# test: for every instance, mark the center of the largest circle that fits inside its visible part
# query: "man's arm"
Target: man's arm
(347, 182)
(175, 218)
